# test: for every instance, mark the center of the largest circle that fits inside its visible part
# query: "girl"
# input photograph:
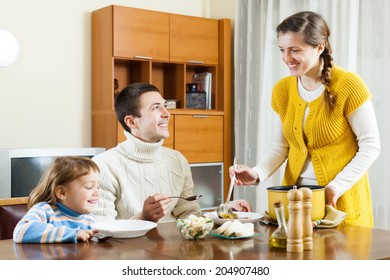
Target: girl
(60, 206)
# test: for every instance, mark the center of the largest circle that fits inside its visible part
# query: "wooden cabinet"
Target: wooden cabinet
(149, 33)
(199, 137)
(133, 45)
(193, 39)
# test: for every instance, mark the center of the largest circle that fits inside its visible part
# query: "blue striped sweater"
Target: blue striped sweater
(44, 223)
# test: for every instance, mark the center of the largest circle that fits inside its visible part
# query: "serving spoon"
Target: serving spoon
(190, 198)
(224, 210)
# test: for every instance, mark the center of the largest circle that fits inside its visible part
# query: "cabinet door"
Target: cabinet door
(140, 33)
(193, 39)
(199, 137)
(104, 130)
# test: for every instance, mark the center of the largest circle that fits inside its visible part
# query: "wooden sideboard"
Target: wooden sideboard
(164, 49)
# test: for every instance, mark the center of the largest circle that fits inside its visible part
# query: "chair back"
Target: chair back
(12, 211)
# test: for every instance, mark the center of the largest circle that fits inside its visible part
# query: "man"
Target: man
(139, 175)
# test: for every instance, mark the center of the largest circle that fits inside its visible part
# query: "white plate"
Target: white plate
(124, 228)
(243, 217)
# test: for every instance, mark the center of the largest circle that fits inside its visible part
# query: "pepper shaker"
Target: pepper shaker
(294, 226)
(307, 226)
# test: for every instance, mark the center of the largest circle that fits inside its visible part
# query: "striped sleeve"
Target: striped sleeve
(37, 227)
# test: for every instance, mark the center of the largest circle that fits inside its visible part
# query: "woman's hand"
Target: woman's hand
(240, 205)
(84, 235)
(155, 207)
(331, 196)
(244, 175)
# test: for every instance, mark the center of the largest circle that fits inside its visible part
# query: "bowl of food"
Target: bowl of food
(124, 228)
(279, 193)
(195, 227)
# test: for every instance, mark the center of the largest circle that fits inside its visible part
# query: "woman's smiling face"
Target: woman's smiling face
(300, 57)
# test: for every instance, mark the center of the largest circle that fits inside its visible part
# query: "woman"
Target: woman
(325, 122)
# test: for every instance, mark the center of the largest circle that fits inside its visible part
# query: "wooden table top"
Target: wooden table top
(165, 243)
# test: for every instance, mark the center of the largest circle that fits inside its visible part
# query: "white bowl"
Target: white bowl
(243, 217)
(124, 228)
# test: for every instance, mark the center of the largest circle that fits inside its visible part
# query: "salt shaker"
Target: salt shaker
(294, 226)
(307, 227)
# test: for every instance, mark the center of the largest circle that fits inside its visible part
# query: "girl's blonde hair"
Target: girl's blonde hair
(62, 171)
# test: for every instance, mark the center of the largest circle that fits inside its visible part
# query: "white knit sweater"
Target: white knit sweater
(134, 170)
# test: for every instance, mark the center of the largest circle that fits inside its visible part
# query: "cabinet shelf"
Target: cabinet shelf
(171, 78)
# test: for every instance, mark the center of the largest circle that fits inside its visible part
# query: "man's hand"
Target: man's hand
(155, 207)
(240, 205)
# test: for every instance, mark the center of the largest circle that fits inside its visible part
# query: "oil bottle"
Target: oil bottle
(278, 238)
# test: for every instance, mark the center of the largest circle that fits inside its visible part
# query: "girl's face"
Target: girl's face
(302, 59)
(81, 194)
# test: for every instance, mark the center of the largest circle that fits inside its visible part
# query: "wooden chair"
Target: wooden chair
(11, 211)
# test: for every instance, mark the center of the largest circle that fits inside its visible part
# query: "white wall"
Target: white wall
(45, 96)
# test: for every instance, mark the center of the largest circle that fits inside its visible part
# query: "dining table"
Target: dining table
(166, 243)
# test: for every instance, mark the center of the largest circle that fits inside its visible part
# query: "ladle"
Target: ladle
(224, 211)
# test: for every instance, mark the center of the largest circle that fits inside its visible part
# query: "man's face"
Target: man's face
(152, 126)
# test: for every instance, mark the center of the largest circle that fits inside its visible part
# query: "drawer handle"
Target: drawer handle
(195, 61)
(200, 116)
(143, 57)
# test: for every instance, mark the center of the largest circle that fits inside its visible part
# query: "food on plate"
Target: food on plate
(235, 228)
(222, 228)
(246, 230)
(236, 225)
(243, 217)
(194, 227)
(229, 216)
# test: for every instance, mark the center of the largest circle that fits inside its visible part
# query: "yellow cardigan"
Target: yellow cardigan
(329, 139)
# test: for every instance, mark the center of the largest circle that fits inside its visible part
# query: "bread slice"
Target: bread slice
(247, 229)
(236, 225)
(223, 227)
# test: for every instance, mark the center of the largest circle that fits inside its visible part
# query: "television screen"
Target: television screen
(208, 181)
(26, 173)
(21, 169)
